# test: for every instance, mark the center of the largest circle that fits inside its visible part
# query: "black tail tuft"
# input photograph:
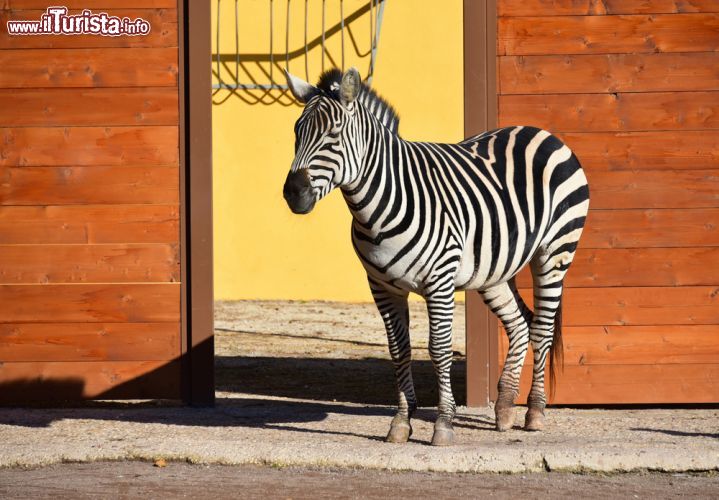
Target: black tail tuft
(556, 352)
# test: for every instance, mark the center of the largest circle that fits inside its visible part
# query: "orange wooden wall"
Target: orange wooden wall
(89, 208)
(632, 86)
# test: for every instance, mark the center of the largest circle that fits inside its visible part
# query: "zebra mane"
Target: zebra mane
(329, 84)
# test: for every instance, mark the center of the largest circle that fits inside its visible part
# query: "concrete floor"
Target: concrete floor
(246, 429)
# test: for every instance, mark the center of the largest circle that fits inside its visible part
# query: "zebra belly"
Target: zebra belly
(398, 274)
(472, 275)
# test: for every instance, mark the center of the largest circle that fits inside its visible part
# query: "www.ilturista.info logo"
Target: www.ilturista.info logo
(56, 21)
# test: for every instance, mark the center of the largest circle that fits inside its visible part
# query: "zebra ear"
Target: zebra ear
(302, 90)
(350, 86)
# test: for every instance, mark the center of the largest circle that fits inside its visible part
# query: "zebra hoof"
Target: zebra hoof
(534, 421)
(504, 418)
(399, 431)
(443, 433)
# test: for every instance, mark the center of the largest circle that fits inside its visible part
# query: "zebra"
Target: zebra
(432, 218)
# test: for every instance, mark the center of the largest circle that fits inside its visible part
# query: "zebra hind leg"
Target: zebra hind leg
(507, 304)
(395, 314)
(545, 332)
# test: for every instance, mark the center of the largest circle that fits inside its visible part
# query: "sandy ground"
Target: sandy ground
(318, 330)
(335, 351)
(311, 385)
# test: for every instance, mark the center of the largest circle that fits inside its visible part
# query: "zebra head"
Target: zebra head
(327, 152)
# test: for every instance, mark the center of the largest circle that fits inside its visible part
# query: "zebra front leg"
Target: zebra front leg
(392, 306)
(506, 303)
(440, 308)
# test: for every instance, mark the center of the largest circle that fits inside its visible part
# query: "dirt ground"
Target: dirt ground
(318, 329)
(336, 351)
(178, 480)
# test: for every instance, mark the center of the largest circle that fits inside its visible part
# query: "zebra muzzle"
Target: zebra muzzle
(298, 192)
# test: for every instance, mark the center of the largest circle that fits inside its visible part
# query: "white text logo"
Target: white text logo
(56, 21)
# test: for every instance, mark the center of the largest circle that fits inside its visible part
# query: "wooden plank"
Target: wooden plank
(508, 8)
(651, 228)
(689, 305)
(608, 34)
(613, 112)
(57, 381)
(119, 263)
(618, 267)
(89, 342)
(78, 146)
(654, 189)
(89, 107)
(645, 150)
(108, 67)
(634, 345)
(566, 74)
(91, 303)
(96, 4)
(163, 31)
(88, 185)
(89, 224)
(632, 384)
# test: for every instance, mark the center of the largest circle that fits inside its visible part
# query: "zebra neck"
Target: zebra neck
(378, 181)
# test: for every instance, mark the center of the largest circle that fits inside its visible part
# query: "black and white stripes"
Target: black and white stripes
(434, 218)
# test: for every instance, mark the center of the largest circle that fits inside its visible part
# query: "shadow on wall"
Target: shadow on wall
(48, 388)
(258, 78)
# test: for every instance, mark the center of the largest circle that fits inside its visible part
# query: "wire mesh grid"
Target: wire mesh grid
(275, 61)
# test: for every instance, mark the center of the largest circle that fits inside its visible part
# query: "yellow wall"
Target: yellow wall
(262, 250)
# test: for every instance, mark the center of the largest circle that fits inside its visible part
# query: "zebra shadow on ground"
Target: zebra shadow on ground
(362, 381)
(246, 387)
(326, 383)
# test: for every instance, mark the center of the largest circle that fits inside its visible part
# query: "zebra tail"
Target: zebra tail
(556, 352)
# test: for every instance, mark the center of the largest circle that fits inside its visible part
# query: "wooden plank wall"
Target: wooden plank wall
(89, 208)
(632, 86)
